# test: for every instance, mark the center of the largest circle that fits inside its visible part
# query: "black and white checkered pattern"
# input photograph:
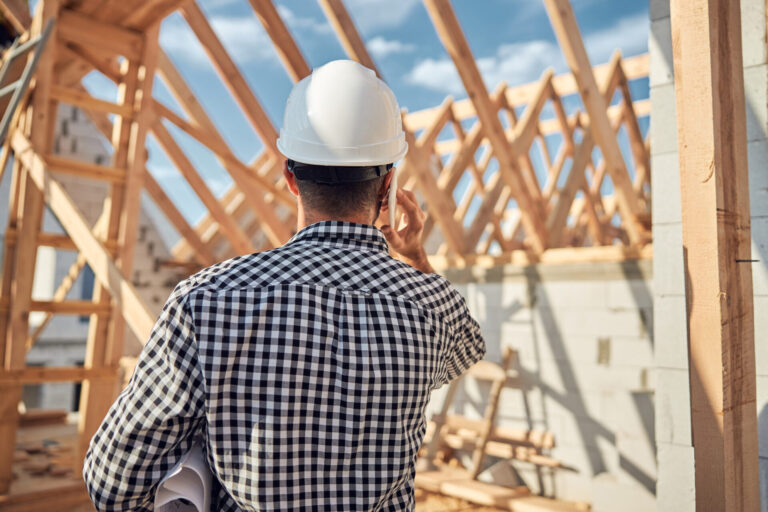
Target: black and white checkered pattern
(307, 370)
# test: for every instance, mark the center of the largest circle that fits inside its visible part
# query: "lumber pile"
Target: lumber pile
(447, 435)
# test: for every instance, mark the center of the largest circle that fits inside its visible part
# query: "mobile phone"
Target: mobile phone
(392, 204)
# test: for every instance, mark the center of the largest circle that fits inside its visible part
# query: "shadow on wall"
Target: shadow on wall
(584, 338)
(762, 429)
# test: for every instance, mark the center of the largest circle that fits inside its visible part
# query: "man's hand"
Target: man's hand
(406, 241)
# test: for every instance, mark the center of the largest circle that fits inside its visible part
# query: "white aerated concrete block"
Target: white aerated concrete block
(673, 407)
(671, 332)
(663, 120)
(756, 91)
(666, 198)
(658, 9)
(760, 252)
(753, 33)
(660, 50)
(572, 294)
(668, 269)
(757, 152)
(675, 491)
(762, 414)
(629, 294)
(610, 492)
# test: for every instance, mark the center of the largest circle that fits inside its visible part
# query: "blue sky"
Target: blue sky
(512, 40)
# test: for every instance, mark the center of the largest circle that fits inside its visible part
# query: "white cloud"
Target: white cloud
(629, 34)
(381, 47)
(376, 14)
(515, 63)
(243, 37)
(436, 74)
(519, 63)
(303, 23)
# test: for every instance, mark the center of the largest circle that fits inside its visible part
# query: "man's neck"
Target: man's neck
(307, 218)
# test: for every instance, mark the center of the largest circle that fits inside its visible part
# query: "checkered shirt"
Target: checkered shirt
(306, 370)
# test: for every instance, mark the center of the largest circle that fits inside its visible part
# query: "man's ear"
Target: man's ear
(385, 185)
(290, 179)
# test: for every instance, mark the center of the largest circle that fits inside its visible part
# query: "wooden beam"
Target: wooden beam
(556, 256)
(712, 147)
(84, 169)
(15, 331)
(17, 13)
(158, 195)
(231, 76)
(139, 319)
(188, 101)
(80, 29)
(439, 203)
(235, 234)
(44, 374)
(348, 34)
(564, 85)
(285, 44)
(567, 31)
(453, 39)
(232, 164)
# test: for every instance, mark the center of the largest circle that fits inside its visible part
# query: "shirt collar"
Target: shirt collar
(343, 234)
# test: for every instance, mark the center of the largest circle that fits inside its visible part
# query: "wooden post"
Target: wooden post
(26, 248)
(711, 131)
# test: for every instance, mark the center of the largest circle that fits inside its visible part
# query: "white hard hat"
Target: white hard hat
(342, 115)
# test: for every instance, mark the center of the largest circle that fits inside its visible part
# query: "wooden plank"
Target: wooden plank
(43, 374)
(556, 256)
(266, 212)
(230, 161)
(17, 327)
(714, 183)
(348, 34)
(285, 44)
(17, 13)
(439, 203)
(58, 295)
(231, 76)
(522, 135)
(453, 39)
(567, 32)
(84, 169)
(564, 85)
(158, 195)
(86, 101)
(234, 233)
(139, 319)
(80, 29)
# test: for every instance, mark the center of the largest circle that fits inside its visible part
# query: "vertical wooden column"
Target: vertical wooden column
(106, 333)
(30, 210)
(712, 147)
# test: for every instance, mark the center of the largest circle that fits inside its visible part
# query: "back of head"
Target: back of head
(341, 134)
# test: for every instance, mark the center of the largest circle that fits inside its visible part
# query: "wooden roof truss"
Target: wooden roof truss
(479, 185)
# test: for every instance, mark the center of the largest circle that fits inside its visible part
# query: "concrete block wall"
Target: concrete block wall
(584, 335)
(676, 489)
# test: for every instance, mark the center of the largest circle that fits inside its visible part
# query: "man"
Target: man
(306, 369)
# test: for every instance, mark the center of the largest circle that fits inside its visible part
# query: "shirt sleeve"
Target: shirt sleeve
(465, 344)
(151, 425)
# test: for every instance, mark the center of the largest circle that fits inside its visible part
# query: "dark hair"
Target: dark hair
(341, 199)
